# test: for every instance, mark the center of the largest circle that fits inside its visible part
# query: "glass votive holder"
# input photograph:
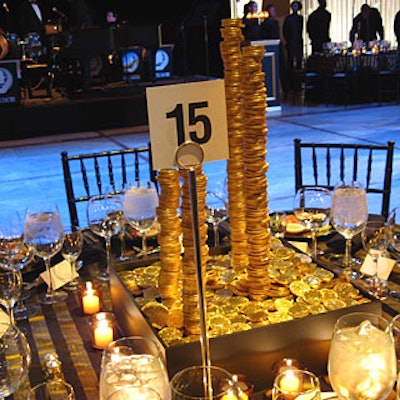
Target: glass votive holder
(286, 363)
(245, 388)
(295, 384)
(102, 329)
(52, 390)
(90, 297)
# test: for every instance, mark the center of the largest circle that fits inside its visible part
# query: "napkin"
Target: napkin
(302, 246)
(60, 275)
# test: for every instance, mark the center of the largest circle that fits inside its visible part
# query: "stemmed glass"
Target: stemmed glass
(25, 256)
(375, 240)
(15, 359)
(349, 213)
(140, 209)
(10, 291)
(362, 358)
(106, 219)
(311, 207)
(71, 250)
(14, 254)
(393, 223)
(216, 211)
(44, 232)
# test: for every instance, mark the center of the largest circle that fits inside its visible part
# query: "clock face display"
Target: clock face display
(130, 62)
(162, 60)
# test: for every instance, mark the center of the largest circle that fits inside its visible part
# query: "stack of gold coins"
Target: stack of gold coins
(170, 233)
(255, 169)
(190, 295)
(231, 55)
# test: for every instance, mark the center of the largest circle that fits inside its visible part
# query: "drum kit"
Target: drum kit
(36, 56)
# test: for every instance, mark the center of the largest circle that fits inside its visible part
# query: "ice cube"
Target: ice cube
(365, 328)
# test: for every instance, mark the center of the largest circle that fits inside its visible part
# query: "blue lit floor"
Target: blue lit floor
(31, 169)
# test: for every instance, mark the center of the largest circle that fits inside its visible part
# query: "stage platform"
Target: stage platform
(113, 105)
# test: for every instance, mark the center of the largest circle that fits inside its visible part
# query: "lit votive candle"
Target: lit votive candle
(102, 329)
(290, 383)
(103, 334)
(90, 298)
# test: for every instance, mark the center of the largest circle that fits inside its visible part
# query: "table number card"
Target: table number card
(187, 112)
(382, 268)
(60, 275)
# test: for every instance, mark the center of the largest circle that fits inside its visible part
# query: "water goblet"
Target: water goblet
(71, 250)
(22, 310)
(296, 384)
(11, 235)
(140, 209)
(106, 219)
(44, 232)
(10, 291)
(312, 207)
(393, 223)
(15, 359)
(349, 213)
(375, 240)
(216, 211)
(133, 361)
(362, 358)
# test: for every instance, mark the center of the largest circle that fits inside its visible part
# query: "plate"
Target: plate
(295, 230)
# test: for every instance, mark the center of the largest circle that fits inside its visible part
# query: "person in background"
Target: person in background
(270, 30)
(32, 17)
(270, 26)
(318, 26)
(397, 28)
(293, 34)
(251, 30)
(367, 25)
(112, 19)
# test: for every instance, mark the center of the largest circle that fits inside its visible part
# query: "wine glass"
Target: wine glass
(349, 213)
(11, 235)
(124, 255)
(71, 250)
(311, 207)
(140, 209)
(393, 223)
(24, 257)
(216, 210)
(10, 291)
(375, 240)
(44, 232)
(15, 359)
(14, 255)
(106, 219)
(133, 361)
(362, 359)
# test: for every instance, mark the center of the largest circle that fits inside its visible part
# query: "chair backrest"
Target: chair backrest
(87, 175)
(324, 164)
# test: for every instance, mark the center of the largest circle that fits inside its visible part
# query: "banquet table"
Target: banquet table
(63, 329)
(361, 70)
